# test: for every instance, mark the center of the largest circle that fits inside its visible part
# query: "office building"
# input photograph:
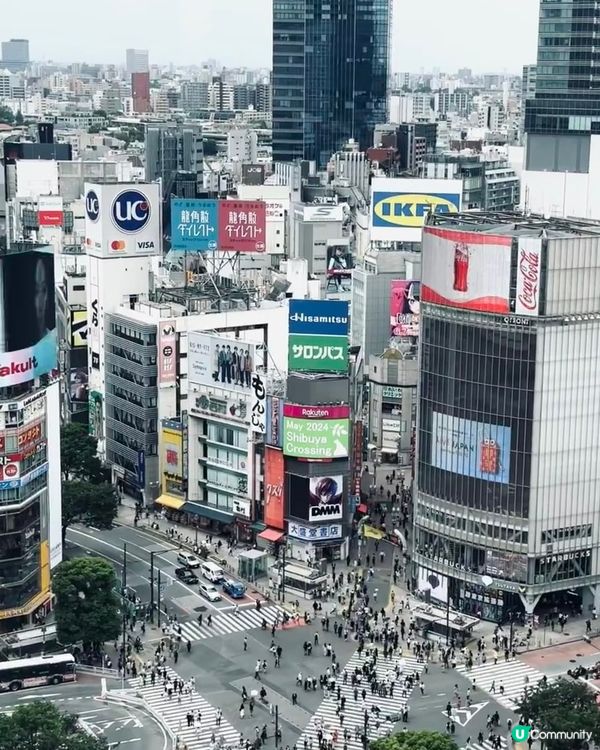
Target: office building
(140, 92)
(509, 321)
(15, 55)
(330, 75)
(194, 95)
(137, 61)
(171, 149)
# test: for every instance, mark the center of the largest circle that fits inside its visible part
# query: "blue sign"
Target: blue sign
(318, 317)
(92, 205)
(140, 468)
(194, 224)
(131, 211)
(409, 209)
(473, 449)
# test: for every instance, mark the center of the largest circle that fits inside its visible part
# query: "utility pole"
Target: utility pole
(159, 597)
(283, 571)
(125, 606)
(447, 617)
(276, 726)
(152, 588)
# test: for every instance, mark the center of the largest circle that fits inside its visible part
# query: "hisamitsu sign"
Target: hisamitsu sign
(318, 317)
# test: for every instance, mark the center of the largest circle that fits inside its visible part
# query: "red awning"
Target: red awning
(362, 508)
(271, 535)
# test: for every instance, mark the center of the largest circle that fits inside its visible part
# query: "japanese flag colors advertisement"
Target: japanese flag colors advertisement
(466, 269)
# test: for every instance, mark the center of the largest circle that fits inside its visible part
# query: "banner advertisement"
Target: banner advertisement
(473, 449)
(318, 317)
(316, 412)
(274, 421)
(433, 585)
(194, 224)
(405, 303)
(340, 262)
(317, 353)
(529, 269)
(510, 565)
(315, 439)
(96, 415)
(9, 469)
(171, 451)
(273, 489)
(50, 210)
(242, 226)
(28, 318)
(326, 498)
(78, 328)
(29, 437)
(399, 206)
(258, 407)
(315, 533)
(167, 355)
(470, 270)
(221, 362)
(78, 385)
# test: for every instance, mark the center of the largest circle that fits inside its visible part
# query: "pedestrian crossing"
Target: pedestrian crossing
(486, 745)
(327, 720)
(229, 622)
(205, 735)
(514, 675)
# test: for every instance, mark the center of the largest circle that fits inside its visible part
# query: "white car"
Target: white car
(210, 592)
(188, 559)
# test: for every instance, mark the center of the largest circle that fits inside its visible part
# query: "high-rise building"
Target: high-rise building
(15, 55)
(171, 149)
(330, 75)
(140, 92)
(137, 61)
(194, 95)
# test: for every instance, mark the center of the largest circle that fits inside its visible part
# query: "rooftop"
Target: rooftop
(516, 224)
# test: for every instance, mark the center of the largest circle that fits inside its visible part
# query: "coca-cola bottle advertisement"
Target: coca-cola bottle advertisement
(461, 267)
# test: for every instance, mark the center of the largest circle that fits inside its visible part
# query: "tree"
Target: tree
(19, 118)
(210, 147)
(562, 706)
(78, 454)
(6, 115)
(94, 504)
(87, 605)
(41, 726)
(419, 740)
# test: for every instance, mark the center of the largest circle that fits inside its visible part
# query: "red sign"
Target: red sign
(31, 435)
(242, 226)
(2, 443)
(316, 412)
(48, 218)
(10, 471)
(274, 505)
(528, 276)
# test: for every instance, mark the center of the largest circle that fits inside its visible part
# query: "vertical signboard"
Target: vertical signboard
(274, 501)
(194, 224)
(404, 308)
(529, 266)
(274, 421)
(167, 357)
(258, 404)
(242, 226)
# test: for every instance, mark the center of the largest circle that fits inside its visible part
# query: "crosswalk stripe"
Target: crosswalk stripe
(486, 745)
(514, 675)
(327, 717)
(230, 622)
(173, 712)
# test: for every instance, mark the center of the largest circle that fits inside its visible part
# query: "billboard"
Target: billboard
(194, 224)
(529, 270)
(10, 467)
(501, 564)
(317, 353)
(242, 226)
(273, 488)
(50, 211)
(253, 174)
(405, 303)
(432, 585)
(167, 354)
(122, 219)
(315, 533)
(171, 452)
(219, 361)
(470, 270)
(316, 432)
(28, 322)
(318, 317)
(473, 449)
(78, 328)
(399, 207)
(78, 384)
(340, 262)
(323, 212)
(96, 415)
(258, 418)
(326, 498)
(274, 421)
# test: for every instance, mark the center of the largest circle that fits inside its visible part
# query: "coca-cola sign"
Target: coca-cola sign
(528, 276)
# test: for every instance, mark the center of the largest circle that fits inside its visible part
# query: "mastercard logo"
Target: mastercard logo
(117, 245)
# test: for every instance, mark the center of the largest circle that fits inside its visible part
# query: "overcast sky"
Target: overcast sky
(486, 35)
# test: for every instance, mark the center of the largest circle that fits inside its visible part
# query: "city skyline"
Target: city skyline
(185, 45)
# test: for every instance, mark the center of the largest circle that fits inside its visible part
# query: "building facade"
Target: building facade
(171, 149)
(15, 55)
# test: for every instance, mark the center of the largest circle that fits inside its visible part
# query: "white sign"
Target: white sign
(315, 533)
(258, 421)
(221, 362)
(529, 268)
(326, 498)
(241, 507)
(323, 212)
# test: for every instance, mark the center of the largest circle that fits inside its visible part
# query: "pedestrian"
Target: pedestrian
(188, 646)
(245, 643)
(422, 687)
(242, 712)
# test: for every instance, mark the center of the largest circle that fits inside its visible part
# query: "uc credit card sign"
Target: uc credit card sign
(318, 317)
(399, 207)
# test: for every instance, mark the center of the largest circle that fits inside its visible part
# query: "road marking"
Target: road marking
(39, 695)
(467, 713)
(124, 742)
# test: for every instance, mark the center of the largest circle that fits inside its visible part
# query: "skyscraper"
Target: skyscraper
(330, 75)
(137, 61)
(15, 55)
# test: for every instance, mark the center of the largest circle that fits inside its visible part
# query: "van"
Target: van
(188, 559)
(212, 571)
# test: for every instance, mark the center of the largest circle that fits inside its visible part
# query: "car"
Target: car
(210, 592)
(186, 575)
(188, 559)
(235, 589)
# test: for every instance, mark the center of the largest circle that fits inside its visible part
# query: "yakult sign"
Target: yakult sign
(529, 271)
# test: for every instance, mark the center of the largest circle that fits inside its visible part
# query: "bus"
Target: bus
(17, 674)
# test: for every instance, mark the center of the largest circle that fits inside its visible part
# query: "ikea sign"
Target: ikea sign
(399, 207)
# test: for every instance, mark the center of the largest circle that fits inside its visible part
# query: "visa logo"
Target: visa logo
(411, 209)
(145, 245)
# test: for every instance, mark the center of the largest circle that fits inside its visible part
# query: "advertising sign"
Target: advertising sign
(315, 533)
(194, 224)
(122, 219)
(27, 317)
(9, 470)
(326, 498)
(323, 212)
(470, 270)
(318, 317)
(340, 262)
(273, 488)
(96, 415)
(529, 268)
(320, 438)
(242, 226)
(274, 421)
(258, 408)
(473, 449)
(29, 437)
(405, 303)
(78, 385)
(172, 453)
(318, 353)
(78, 328)
(433, 585)
(50, 211)
(399, 207)
(167, 354)
(316, 412)
(253, 174)
(221, 362)
(509, 565)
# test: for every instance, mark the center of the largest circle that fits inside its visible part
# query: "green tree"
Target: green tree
(87, 606)
(78, 454)
(41, 726)
(6, 115)
(210, 147)
(94, 504)
(419, 740)
(19, 118)
(563, 706)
